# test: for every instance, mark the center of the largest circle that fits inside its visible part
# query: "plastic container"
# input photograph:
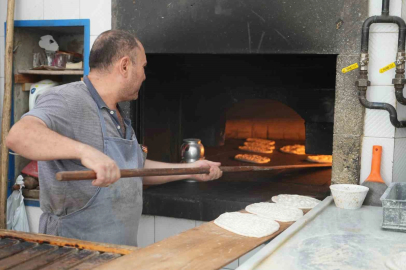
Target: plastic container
(348, 196)
(394, 207)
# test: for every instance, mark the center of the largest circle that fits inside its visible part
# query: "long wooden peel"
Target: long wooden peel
(5, 125)
(90, 175)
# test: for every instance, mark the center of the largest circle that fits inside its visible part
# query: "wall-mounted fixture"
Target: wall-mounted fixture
(399, 81)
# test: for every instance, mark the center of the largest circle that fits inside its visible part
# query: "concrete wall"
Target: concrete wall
(348, 112)
(98, 11)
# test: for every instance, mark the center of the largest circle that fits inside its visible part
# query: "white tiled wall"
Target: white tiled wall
(29, 10)
(375, 7)
(99, 13)
(33, 215)
(399, 157)
(166, 227)
(61, 9)
(146, 231)
(377, 128)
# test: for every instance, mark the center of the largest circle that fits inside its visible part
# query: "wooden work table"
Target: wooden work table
(205, 247)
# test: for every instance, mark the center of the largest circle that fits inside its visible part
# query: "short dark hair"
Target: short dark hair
(111, 46)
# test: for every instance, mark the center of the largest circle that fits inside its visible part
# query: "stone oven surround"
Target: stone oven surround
(263, 27)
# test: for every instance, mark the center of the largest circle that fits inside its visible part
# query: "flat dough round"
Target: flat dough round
(296, 149)
(256, 149)
(275, 211)
(397, 261)
(320, 159)
(247, 224)
(252, 158)
(296, 201)
(258, 140)
(259, 144)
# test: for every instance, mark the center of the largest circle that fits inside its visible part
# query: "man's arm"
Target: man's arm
(31, 138)
(215, 172)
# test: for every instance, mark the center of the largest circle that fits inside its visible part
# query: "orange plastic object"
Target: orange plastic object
(31, 169)
(375, 175)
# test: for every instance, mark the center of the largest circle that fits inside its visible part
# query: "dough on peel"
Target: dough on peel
(247, 224)
(296, 201)
(275, 211)
(397, 261)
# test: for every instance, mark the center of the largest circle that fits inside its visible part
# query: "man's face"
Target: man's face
(138, 73)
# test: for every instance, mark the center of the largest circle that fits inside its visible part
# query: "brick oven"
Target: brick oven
(208, 60)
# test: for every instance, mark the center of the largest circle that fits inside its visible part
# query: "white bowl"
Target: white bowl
(348, 196)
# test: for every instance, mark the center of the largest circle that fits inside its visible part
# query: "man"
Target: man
(80, 125)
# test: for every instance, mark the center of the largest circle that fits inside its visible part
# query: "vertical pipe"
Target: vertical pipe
(385, 7)
(5, 127)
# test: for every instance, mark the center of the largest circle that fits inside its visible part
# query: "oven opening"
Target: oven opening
(224, 99)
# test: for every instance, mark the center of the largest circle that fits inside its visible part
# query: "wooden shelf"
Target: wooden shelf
(52, 72)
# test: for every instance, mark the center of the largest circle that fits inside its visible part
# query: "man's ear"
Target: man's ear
(124, 64)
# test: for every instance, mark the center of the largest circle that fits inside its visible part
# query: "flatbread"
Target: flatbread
(296, 201)
(258, 140)
(247, 224)
(266, 145)
(397, 261)
(320, 159)
(274, 211)
(256, 149)
(252, 158)
(296, 149)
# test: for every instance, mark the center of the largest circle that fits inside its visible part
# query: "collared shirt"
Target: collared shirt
(113, 113)
(71, 111)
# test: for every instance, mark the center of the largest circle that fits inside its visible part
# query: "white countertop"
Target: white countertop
(335, 239)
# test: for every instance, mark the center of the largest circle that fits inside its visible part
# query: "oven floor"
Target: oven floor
(206, 201)
(225, 154)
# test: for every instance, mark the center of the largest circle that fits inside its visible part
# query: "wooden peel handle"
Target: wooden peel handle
(90, 175)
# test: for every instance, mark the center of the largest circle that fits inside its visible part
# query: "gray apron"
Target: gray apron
(112, 215)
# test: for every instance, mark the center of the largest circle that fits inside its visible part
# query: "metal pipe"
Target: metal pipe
(393, 116)
(399, 81)
(383, 19)
(385, 7)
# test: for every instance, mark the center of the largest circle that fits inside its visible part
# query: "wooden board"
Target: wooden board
(205, 247)
(68, 242)
(26, 255)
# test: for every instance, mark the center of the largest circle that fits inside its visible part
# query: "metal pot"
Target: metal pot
(191, 150)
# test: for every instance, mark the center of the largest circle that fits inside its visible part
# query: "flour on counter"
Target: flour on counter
(247, 224)
(296, 201)
(397, 261)
(275, 211)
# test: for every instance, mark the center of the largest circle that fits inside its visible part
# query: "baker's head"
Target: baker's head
(119, 53)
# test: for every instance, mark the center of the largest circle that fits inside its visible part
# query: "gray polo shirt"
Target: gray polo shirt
(72, 111)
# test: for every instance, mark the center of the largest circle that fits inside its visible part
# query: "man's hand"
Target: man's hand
(215, 171)
(106, 169)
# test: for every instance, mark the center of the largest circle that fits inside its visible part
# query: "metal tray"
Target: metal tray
(394, 207)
